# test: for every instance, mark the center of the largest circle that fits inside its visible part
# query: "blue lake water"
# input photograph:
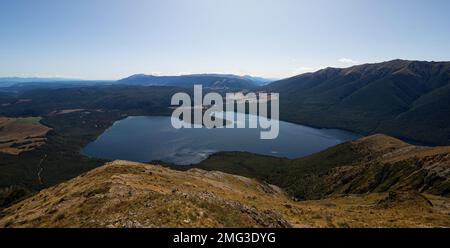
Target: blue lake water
(147, 138)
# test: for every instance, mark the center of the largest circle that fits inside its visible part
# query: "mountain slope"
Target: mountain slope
(126, 194)
(403, 98)
(212, 81)
(131, 194)
(377, 163)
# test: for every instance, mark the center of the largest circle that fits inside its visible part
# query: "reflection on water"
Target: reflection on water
(147, 138)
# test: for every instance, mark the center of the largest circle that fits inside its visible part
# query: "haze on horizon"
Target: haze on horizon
(111, 39)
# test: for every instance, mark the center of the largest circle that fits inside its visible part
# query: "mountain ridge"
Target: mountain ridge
(399, 98)
(215, 81)
(373, 164)
(127, 194)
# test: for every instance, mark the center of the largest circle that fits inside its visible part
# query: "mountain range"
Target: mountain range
(401, 98)
(377, 180)
(213, 81)
(406, 99)
(210, 81)
(33, 79)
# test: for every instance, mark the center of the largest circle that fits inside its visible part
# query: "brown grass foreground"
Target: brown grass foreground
(126, 194)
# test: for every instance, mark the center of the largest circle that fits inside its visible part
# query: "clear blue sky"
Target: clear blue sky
(109, 39)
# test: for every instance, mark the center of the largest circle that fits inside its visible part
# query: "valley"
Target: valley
(224, 123)
(375, 181)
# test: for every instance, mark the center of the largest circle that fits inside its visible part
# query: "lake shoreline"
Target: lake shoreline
(149, 138)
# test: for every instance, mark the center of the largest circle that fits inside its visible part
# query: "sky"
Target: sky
(112, 39)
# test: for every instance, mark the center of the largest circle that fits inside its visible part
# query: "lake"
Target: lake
(148, 138)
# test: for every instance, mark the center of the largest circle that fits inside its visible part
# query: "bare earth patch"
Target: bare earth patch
(69, 111)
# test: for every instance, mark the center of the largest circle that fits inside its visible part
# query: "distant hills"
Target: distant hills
(27, 83)
(10, 81)
(407, 99)
(213, 81)
(374, 181)
(33, 79)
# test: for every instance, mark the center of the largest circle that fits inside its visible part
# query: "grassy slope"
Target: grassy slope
(125, 194)
(292, 175)
(375, 164)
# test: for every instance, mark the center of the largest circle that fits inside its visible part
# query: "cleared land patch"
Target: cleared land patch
(18, 135)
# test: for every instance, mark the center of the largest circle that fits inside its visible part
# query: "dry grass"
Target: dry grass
(388, 149)
(126, 194)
